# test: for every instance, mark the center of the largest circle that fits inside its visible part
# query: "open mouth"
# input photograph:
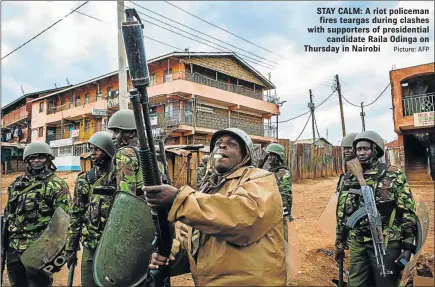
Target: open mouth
(220, 156)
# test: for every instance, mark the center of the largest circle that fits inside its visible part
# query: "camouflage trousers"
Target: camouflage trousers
(87, 274)
(365, 272)
(20, 276)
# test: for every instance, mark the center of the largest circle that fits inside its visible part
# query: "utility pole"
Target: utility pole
(311, 106)
(326, 133)
(337, 82)
(122, 75)
(362, 114)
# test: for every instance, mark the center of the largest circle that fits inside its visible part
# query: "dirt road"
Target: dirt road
(317, 247)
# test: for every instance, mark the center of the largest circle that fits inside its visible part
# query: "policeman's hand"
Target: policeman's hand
(158, 260)
(406, 254)
(339, 254)
(160, 195)
(70, 258)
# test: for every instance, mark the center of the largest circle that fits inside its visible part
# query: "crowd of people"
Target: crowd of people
(233, 225)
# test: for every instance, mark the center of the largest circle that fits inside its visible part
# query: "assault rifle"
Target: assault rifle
(139, 75)
(368, 208)
(4, 244)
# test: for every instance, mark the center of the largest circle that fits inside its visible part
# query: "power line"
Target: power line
(378, 96)
(46, 29)
(308, 111)
(255, 62)
(224, 30)
(303, 128)
(112, 23)
(203, 33)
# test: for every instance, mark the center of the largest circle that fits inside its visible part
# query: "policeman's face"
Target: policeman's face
(364, 151)
(273, 159)
(348, 153)
(231, 152)
(117, 137)
(37, 161)
(97, 154)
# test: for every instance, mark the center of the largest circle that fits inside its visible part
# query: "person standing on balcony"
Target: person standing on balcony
(90, 208)
(33, 199)
(231, 231)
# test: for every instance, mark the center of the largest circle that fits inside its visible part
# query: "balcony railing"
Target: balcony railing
(206, 81)
(15, 115)
(418, 104)
(270, 131)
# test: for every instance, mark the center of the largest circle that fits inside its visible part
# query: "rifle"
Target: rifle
(71, 271)
(4, 243)
(369, 208)
(139, 75)
(165, 163)
(263, 162)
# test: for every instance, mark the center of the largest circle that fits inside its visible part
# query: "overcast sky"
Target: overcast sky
(80, 48)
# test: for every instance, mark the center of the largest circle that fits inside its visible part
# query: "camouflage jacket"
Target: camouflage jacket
(32, 201)
(200, 173)
(126, 173)
(284, 179)
(89, 211)
(391, 191)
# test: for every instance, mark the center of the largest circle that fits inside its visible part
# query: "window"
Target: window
(71, 103)
(87, 98)
(87, 125)
(62, 104)
(41, 107)
(41, 132)
(109, 89)
(77, 101)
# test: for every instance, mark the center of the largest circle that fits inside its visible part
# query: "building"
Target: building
(394, 154)
(320, 142)
(413, 97)
(17, 115)
(191, 96)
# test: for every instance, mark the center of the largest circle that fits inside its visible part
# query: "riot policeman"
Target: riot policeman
(33, 201)
(91, 205)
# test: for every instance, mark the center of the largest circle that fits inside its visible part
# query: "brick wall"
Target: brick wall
(216, 120)
(228, 66)
(253, 125)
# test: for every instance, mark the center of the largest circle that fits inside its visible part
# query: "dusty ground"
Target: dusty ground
(316, 246)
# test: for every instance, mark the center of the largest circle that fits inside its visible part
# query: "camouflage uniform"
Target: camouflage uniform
(32, 200)
(126, 172)
(284, 179)
(391, 191)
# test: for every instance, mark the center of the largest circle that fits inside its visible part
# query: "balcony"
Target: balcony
(15, 116)
(206, 81)
(418, 104)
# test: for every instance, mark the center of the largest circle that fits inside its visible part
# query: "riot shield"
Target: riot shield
(293, 255)
(328, 219)
(47, 253)
(125, 248)
(422, 231)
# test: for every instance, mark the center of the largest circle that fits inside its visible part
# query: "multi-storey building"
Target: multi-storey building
(191, 96)
(16, 117)
(413, 96)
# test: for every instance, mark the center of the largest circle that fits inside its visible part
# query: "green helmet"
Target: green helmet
(347, 141)
(123, 120)
(103, 140)
(37, 148)
(205, 159)
(372, 137)
(277, 149)
(238, 133)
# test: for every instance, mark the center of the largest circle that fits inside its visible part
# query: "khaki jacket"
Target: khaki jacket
(241, 237)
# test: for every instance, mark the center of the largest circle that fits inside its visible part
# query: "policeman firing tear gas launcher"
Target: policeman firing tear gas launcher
(139, 220)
